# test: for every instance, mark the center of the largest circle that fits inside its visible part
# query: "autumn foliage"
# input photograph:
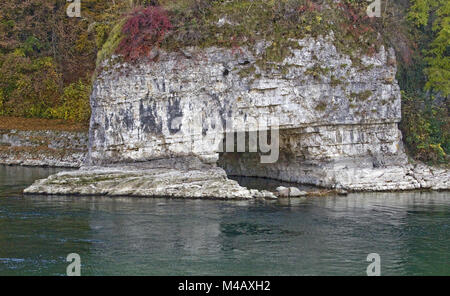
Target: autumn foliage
(357, 22)
(47, 58)
(309, 6)
(145, 29)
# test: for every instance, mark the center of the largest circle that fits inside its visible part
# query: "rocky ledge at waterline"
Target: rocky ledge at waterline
(336, 117)
(174, 178)
(55, 148)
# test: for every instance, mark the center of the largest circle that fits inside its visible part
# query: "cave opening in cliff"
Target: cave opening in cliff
(249, 171)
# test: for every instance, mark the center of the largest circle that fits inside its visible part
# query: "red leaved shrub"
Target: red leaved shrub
(144, 30)
(358, 22)
(309, 7)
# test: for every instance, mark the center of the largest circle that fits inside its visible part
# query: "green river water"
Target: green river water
(311, 236)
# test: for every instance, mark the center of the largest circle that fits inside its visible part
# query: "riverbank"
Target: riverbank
(42, 142)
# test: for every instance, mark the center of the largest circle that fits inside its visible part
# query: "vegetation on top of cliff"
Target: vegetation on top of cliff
(240, 23)
(111, 43)
(143, 30)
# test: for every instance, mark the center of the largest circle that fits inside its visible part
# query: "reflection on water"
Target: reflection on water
(311, 236)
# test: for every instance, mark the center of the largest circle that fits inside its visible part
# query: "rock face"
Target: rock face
(337, 120)
(43, 148)
(175, 106)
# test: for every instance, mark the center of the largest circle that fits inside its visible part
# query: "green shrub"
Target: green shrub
(425, 82)
(102, 32)
(433, 18)
(111, 44)
(426, 129)
(29, 86)
(75, 103)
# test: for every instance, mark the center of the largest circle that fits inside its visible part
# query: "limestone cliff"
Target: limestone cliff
(336, 116)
